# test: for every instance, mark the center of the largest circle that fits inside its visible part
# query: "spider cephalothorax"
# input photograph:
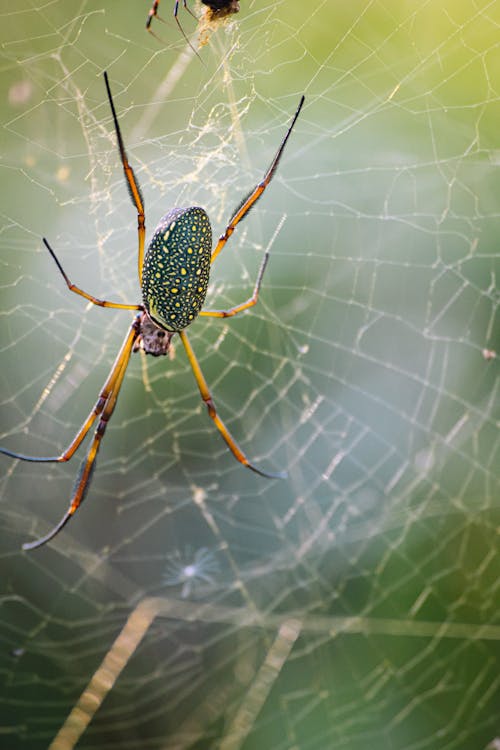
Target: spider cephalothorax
(151, 338)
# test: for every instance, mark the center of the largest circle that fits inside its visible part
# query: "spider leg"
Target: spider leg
(250, 302)
(153, 13)
(73, 288)
(176, 10)
(108, 387)
(255, 194)
(186, 6)
(132, 183)
(114, 382)
(207, 399)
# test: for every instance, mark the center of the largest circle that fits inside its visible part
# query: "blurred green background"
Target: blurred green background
(367, 371)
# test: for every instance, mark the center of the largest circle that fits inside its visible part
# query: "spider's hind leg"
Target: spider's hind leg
(105, 407)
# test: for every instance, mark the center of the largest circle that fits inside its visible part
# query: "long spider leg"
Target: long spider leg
(207, 399)
(243, 305)
(68, 453)
(73, 288)
(176, 10)
(153, 13)
(186, 6)
(86, 470)
(255, 194)
(132, 183)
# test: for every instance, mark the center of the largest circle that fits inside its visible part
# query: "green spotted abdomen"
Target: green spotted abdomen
(176, 268)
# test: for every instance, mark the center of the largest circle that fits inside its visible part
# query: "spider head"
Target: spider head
(152, 339)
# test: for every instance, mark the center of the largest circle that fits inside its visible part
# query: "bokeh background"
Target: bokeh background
(354, 604)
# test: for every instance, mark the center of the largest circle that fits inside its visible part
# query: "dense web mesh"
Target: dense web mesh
(190, 603)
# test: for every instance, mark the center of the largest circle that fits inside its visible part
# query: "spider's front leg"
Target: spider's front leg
(107, 402)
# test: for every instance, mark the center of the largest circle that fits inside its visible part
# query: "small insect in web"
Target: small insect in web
(173, 275)
(215, 11)
(191, 570)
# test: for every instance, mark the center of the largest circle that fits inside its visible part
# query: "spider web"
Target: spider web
(191, 604)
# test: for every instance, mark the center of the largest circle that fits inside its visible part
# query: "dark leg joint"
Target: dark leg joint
(210, 406)
(101, 403)
(101, 427)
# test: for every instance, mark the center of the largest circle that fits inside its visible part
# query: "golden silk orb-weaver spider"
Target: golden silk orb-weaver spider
(214, 10)
(173, 274)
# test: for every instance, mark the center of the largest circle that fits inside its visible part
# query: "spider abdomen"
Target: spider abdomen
(177, 267)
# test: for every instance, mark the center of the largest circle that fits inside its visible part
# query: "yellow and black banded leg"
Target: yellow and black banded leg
(207, 399)
(250, 302)
(104, 409)
(90, 297)
(256, 193)
(68, 453)
(132, 183)
(153, 13)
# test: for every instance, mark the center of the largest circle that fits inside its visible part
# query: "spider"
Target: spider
(173, 275)
(215, 9)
